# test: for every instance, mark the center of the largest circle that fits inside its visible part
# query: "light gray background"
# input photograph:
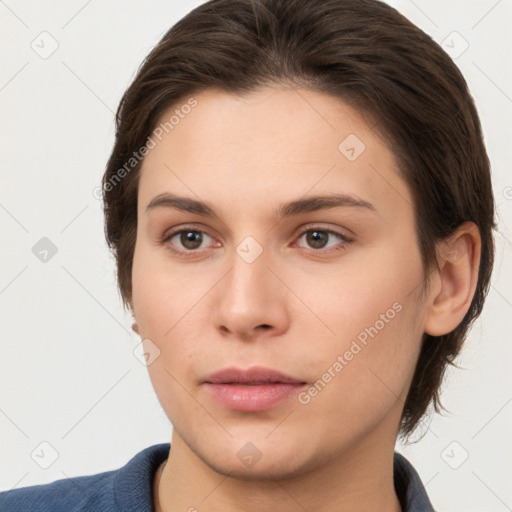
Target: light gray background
(68, 374)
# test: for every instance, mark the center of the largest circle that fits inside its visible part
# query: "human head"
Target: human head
(369, 56)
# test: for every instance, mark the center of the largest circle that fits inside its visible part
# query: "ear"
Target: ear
(454, 281)
(135, 327)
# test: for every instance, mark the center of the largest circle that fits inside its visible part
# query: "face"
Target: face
(326, 291)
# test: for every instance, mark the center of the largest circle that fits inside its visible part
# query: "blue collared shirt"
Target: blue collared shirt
(130, 488)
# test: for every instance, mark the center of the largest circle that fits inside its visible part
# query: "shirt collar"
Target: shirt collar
(133, 485)
(408, 486)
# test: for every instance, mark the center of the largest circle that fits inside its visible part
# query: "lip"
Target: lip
(253, 389)
(252, 375)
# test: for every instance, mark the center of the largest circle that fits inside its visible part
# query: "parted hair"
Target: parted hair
(366, 54)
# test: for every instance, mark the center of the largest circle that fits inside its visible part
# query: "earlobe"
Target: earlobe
(458, 264)
(135, 327)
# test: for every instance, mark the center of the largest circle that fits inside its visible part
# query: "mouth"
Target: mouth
(251, 390)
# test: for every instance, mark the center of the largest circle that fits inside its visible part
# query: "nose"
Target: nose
(250, 301)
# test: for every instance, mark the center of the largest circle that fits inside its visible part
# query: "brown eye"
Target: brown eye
(186, 241)
(319, 239)
(191, 239)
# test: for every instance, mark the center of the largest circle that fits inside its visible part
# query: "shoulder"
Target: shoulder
(68, 494)
(125, 489)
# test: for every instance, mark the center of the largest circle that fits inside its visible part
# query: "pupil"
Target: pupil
(317, 239)
(191, 239)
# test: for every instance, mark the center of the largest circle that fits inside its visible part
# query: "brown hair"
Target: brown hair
(361, 51)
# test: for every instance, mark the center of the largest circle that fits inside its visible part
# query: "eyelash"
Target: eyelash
(194, 229)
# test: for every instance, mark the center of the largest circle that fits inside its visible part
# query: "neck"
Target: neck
(361, 480)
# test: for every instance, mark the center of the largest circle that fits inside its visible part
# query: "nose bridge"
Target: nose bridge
(250, 295)
(249, 276)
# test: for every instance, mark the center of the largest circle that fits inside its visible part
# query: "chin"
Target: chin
(259, 460)
(263, 470)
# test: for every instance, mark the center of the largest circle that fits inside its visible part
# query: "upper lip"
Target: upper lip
(253, 375)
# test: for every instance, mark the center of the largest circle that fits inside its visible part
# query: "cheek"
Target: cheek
(364, 297)
(168, 312)
(362, 375)
(160, 296)
(373, 331)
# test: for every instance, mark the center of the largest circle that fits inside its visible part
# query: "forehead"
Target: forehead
(270, 145)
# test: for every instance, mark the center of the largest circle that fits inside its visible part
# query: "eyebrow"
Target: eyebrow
(296, 207)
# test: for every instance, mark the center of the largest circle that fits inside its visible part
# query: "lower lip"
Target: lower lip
(252, 398)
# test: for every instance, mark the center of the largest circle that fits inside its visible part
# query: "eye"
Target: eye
(186, 241)
(318, 239)
(189, 239)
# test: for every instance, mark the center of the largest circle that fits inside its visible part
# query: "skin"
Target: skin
(205, 309)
